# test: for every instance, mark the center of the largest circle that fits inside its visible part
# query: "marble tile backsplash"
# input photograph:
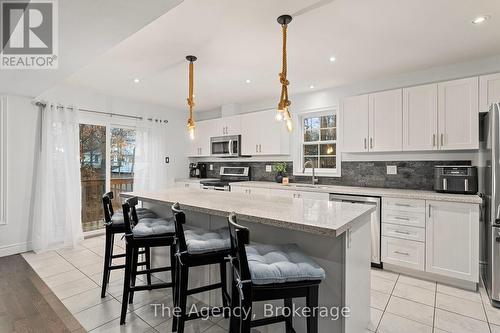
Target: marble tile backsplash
(418, 175)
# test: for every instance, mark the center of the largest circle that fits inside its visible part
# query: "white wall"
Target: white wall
(331, 97)
(22, 141)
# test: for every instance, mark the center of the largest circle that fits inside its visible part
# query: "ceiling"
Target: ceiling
(87, 29)
(236, 40)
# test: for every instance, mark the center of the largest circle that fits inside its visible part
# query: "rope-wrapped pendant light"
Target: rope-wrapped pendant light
(190, 100)
(283, 111)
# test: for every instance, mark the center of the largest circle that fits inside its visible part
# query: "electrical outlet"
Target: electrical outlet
(167, 159)
(392, 169)
(269, 168)
(211, 167)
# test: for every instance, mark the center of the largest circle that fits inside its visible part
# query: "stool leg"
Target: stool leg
(312, 303)
(147, 252)
(289, 320)
(107, 262)
(173, 273)
(183, 285)
(246, 311)
(223, 281)
(234, 322)
(126, 282)
(133, 273)
(111, 251)
(178, 266)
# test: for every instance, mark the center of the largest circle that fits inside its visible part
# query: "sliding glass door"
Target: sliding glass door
(107, 159)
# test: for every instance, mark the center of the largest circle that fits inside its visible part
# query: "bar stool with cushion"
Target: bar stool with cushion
(271, 272)
(114, 224)
(144, 233)
(198, 247)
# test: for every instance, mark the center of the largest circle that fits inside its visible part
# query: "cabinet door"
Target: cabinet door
(274, 137)
(355, 124)
(458, 114)
(385, 120)
(452, 240)
(489, 91)
(231, 125)
(250, 134)
(204, 131)
(420, 118)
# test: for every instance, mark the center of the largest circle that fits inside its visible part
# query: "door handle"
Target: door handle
(445, 184)
(365, 144)
(403, 253)
(260, 148)
(434, 140)
(256, 148)
(402, 232)
(442, 139)
(371, 143)
(230, 147)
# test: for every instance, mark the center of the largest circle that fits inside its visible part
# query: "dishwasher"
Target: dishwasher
(375, 221)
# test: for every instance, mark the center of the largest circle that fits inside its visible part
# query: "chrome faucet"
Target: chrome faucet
(314, 180)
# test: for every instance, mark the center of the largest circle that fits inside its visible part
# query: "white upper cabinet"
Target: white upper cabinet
(452, 240)
(228, 126)
(458, 112)
(385, 117)
(489, 91)
(200, 146)
(420, 116)
(261, 134)
(354, 115)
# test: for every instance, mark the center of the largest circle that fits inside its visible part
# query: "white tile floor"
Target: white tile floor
(398, 303)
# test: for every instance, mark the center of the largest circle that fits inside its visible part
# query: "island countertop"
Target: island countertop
(321, 217)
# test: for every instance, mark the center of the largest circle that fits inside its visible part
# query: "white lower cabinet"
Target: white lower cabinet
(250, 190)
(403, 252)
(299, 194)
(188, 184)
(452, 244)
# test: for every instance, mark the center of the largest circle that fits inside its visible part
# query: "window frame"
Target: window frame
(299, 143)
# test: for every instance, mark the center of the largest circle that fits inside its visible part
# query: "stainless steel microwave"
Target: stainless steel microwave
(225, 146)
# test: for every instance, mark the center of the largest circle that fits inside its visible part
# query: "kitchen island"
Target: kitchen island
(336, 235)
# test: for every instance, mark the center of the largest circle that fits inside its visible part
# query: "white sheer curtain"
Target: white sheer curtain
(150, 171)
(57, 208)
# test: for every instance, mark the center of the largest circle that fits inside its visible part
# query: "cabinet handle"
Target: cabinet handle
(402, 218)
(260, 148)
(402, 205)
(256, 148)
(430, 209)
(434, 140)
(442, 139)
(402, 232)
(371, 143)
(403, 253)
(365, 144)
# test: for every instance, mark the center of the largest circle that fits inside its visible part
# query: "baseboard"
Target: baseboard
(11, 249)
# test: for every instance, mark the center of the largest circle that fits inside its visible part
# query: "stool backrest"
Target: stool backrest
(240, 236)
(107, 204)
(130, 214)
(179, 219)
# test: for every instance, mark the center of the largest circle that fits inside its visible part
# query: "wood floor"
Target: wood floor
(27, 304)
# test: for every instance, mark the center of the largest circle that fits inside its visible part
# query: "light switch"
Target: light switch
(269, 168)
(392, 169)
(211, 167)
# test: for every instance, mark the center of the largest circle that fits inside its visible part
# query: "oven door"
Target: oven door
(225, 146)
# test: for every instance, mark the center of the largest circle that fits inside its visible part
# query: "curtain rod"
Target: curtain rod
(103, 112)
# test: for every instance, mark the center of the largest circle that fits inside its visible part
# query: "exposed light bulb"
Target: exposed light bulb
(279, 115)
(289, 125)
(191, 133)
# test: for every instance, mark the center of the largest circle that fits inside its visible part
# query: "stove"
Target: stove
(227, 175)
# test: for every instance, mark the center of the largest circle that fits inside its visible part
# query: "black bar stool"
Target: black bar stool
(198, 247)
(115, 224)
(144, 233)
(270, 272)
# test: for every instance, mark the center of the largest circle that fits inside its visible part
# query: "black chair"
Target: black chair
(248, 287)
(115, 224)
(212, 247)
(144, 233)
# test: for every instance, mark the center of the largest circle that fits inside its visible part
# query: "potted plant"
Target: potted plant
(280, 169)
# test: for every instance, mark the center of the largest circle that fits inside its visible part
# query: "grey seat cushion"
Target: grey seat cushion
(203, 241)
(117, 218)
(148, 227)
(281, 263)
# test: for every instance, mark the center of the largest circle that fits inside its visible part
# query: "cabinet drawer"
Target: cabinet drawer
(403, 252)
(403, 232)
(403, 218)
(405, 205)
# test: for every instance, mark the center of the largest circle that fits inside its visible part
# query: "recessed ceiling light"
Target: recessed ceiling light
(136, 80)
(311, 86)
(248, 81)
(480, 19)
(333, 59)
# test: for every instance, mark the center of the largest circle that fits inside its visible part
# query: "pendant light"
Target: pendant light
(283, 111)
(190, 100)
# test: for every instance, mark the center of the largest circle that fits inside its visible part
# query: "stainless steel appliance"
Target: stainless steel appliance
(225, 146)
(197, 170)
(490, 161)
(375, 222)
(227, 175)
(461, 179)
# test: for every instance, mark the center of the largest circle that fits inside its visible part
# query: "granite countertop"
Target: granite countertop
(371, 191)
(321, 217)
(193, 180)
